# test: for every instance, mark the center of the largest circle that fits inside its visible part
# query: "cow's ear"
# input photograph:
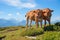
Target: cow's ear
(43, 11)
(52, 10)
(33, 11)
(38, 9)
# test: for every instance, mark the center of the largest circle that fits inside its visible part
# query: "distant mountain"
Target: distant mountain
(13, 22)
(4, 23)
(23, 22)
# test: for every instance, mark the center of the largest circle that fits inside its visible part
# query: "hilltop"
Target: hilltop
(22, 33)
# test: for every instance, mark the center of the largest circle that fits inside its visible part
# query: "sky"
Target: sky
(17, 9)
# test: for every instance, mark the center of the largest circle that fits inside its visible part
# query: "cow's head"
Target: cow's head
(47, 12)
(38, 13)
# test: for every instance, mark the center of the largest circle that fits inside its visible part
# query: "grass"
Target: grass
(12, 34)
(15, 33)
(32, 32)
(49, 35)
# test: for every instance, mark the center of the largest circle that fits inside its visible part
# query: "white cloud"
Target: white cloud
(18, 19)
(18, 14)
(29, 5)
(12, 2)
(10, 14)
(19, 3)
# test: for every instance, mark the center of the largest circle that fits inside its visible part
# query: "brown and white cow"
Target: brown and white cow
(47, 13)
(34, 15)
(39, 15)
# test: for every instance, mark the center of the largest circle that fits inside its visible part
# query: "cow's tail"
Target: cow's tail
(25, 15)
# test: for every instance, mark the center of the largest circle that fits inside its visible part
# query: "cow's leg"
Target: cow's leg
(44, 23)
(30, 23)
(27, 20)
(36, 24)
(36, 20)
(49, 22)
(41, 24)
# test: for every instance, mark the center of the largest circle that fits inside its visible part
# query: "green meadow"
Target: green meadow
(22, 33)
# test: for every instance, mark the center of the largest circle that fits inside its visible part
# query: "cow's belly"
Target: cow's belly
(38, 20)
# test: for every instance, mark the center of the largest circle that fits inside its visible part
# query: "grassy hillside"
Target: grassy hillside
(51, 35)
(23, 33)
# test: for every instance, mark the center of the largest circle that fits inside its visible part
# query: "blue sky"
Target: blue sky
(16, 9)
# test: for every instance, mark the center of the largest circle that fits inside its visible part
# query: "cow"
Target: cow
(38, 16)
(47, 13)
(34, 15)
